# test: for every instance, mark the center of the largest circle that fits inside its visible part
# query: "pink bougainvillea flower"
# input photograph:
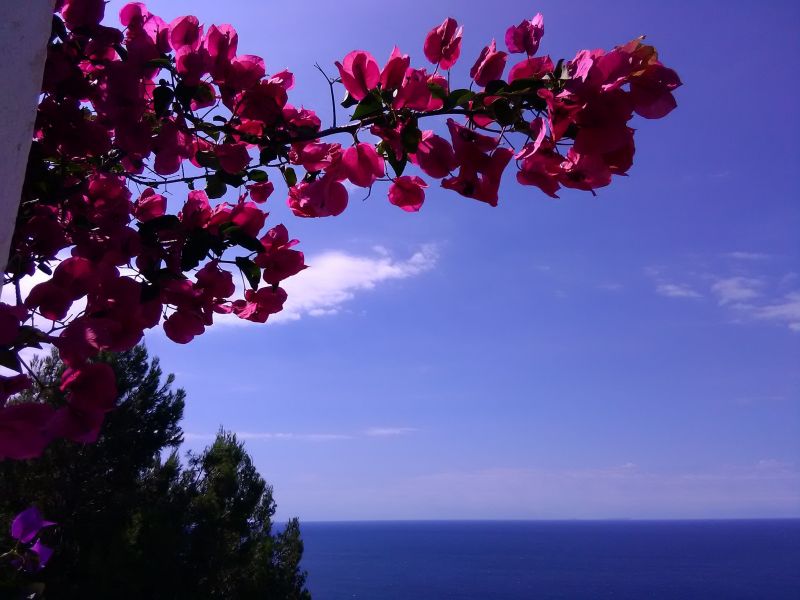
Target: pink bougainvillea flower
(435, 155)
(23, 430)
(27, 525)
(149, 205)
(259, 192)
(471, 148)
(10, 319)
(259, 305)
(248, 217)
(233, 158)
(78, 276)
(91, 387)
(416, 92)
(44, 553)
(443, 44)
(314, 156)
(584, 171)
(360, 73)
(79, 14)
(526, 36)
(531, 68)
(50, 300)
(76, 425)
(221, 43)
(325, 197)
(278, 260)
(363, 164)
(263, 102)
(171, 146)
(244, 72)
(395, 70)
(185, 32)
(182, 326)
(408, 192)
(651, 91)
(301, 118)
(216, 281)
(284, 78)
(192, 65)
(489, 66)
(541, 169)
(196, 211)
(537, 132)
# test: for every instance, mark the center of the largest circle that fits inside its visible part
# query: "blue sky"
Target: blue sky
(633, 355)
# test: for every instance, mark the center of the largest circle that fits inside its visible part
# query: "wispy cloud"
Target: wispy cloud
(737, 289)
(668, 288)
(676, 290)
(784, 310)
(389, 431)
(269, 435)
(304, 437)
(746, 294)
(335, 277)
(746, 255)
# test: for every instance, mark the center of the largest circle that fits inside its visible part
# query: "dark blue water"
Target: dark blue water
(505, 560)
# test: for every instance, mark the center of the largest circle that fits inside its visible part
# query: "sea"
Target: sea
(514, 560)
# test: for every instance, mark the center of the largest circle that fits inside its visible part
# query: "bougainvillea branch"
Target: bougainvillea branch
(156, 104)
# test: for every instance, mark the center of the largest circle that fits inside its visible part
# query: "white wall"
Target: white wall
(24, 30)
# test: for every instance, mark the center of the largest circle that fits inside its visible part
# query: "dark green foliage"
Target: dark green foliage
(134, 522)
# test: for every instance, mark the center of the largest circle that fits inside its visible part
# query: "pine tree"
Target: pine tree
(134, 521)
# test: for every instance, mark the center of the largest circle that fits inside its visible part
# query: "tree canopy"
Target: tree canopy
(133, 520)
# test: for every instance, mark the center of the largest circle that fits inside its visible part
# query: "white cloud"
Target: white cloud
(269, 435)
(334, 277)
(676, 290)
(304, 437)
(747, 255)
(389, 431)
(737, 289)
(785, 310)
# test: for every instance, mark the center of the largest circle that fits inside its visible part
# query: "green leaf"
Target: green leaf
(411, 136)
(233, 180)
(460, 97)
(203, 94)
(215, 187)
(437, 91)
(162, 99)
(30, 337)
(159, 224)
(290, 176)
(235, 234)
(207, 158)
(185, 94)
(160, 62)
(250, 270)
(398, 165)
(519, 85)
(494, 87)
(9, 360)
(195, 249)
(504, 114)
(257, 175)
(368, 106)
(267, 155)
(348, 100)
